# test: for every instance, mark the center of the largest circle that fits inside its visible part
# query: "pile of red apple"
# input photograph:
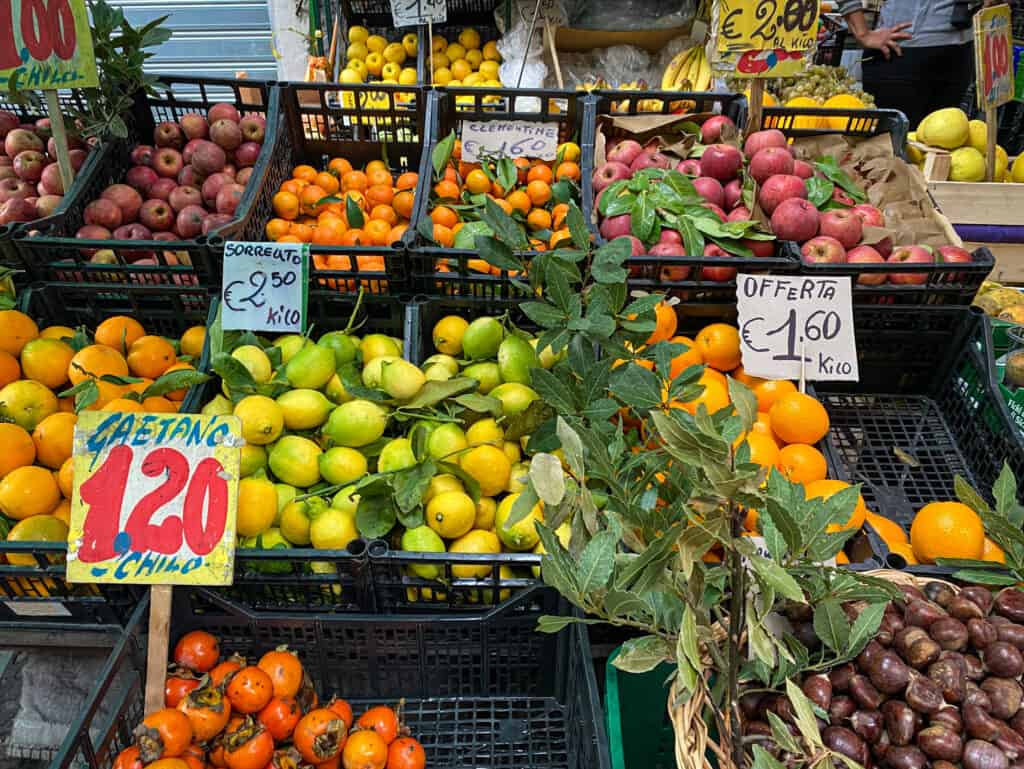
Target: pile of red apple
(30, 183)
(188, 184)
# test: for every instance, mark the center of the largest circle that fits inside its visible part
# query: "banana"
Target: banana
(685, 81)
(672, 70)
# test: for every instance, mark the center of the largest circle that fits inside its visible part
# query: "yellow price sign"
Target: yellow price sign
(993, 59)
(46, 44)
(766, 25)
(155, 498)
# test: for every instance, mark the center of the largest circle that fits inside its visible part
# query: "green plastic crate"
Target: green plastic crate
(636, 714)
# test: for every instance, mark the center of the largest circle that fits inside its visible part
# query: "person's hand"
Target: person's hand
(886, 39)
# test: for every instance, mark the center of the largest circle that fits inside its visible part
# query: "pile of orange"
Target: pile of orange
(530, 202)
(37, 423)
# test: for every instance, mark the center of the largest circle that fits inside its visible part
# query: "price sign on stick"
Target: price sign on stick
(508, 138)
(796, 327)
(265, 287)
(790, 25)
(993, 69)
(408, 13)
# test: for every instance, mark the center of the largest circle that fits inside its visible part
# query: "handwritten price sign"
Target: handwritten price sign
(266, 286)
(154, 499)
(993, 59)
(508, 139)
(46, 44)
(790, 325)
(760, 25)
(407, 13)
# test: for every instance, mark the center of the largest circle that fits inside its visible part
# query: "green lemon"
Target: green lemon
(346, 500)
(522, 535)
(312, 367)
(546, 357)
(515, 359)
(262, 419)
(336, 392)
(435, 372)
(271, 539)
(485, 431)
(304, 409)
(257, 506)
(344, 346)
(289, 345)
(356, 423)
(255, 361)
(423, 539)
(401, 379)
(518, 477)
(294, 523)
(447, 361)
(332, 529)
(446, 442)
(440, 484)
(285, 494)
(396, 455)
(296, 460)
(451, 514)
(515, 398)
(342, 465)
(376, 345)
(447, 334)
(474, 541)
(218, 407)
(253, 458)
(482, 339)
(27, 403)
(373, 371)
(487, 374)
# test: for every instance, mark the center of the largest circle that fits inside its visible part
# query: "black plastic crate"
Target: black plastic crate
(377, 13)
(48, 248)
(943, 284)
(319, 122)
(482, 22)
(451, 107)
(481, 691)
(863, 123)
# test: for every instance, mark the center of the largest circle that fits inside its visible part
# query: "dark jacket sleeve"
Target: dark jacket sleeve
(849, 6)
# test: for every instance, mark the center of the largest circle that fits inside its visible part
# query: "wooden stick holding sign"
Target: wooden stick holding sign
(549, 36)
(756, 106)
(993, 71)
(60, 138)
(159, 642)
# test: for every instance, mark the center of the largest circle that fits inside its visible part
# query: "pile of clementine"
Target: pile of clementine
(226, 712)
(530, 202)
(39, 368)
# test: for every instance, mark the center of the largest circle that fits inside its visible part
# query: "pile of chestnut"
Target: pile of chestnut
(939, 685)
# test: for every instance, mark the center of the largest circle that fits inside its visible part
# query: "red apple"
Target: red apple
(168, 134)
(226, 134)
(732, 194)
(222, 111)
(183, 197)
(616, 227)
(795, 219)
(194, 126)
(44, 128)
(19, 140)
(649, 160)
(722, 161)
(47, 204)
(127, 199)
(161, 189)
(189, 223)
(717, 274)
(8, 122)
(780, 188)
(104, 212)
(229, 197)
(134, 231)
(823, 250)
(717, 211)
(954, 255)
(625, 152)
(215, 222)
(802, 169)
(167, 163)
(910, 255)
(689, 167)
(711, 130)
(867, 255)
(839, 196)
(230, 170)
(7, 172)
(739, 214)
(142, 155)
(15, 188)
(669, 236)
(611, 171)
(29, 165)
(157, 215)
(51, 181)
(710, 189)
(248, 153)
(190, 178)
(212, 186)
(92, 232)
(18, 210)
(141, 178)
(190, 148)
(759, 140)
(770, 161)
(208, 158)
(842, 225)
(254, 128)
(869, 215)
(760, 248)
(243, 176)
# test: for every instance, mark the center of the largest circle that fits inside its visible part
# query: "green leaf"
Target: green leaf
(482, 404)
(641, 655)
(354, 214)
(611, 192)
(554, 624)
(864, 628)
(683, 187)
(986, 577)
(831, 625)
(617, 206)
(745, 401)
(693, 240)
(375, 516)
(597, 561)
(434, 392)
(828, 166)
(636, 386)
(608, 260)
(176, 380)
(572, 446)
(778, 578)
(577, 226)
(466, 237)
(442, 154)
(804, 713)
(505, 228)
(524, 503)
(643, 218)
(544, 314)
(547, 478)
(781, 735)
(411, 484)
(655, 555)
(557, 569)
(554, 390)
(496, 253)
(234, 374)
(765, 760)
(1005, 491)
(819, 191)
(526, 422)
(507, 173)
(688, 638)
(471, 484)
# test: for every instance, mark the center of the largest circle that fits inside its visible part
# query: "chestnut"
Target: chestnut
(804, 633)
(949, 716)
(950, 675)
(1011, 743)
(750, 705)
(868, 724)
(1005, 696)
(923, 695)
(842, 740)
(923, 613)
(905, 757)
(841, 709)
(893, 622)
(922, 653)
(941, 743)
(949, 633)
(943, 765)
(911, 593)
(888, 673)
(975, 695)
(964, 609)
(1010, 632)
(799, 612)
(979, 754)
(783, 708)
(908, 636)
(864, 692)
(982, 632)
(840, 678)
(1003, 659)
(818, 689)
(975, 670)
(982, 596)
(940, 593)
(899, 722)
(978, 723)
(869, 654)
(1017, 723)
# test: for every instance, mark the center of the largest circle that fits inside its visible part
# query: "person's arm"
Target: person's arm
(884, 39)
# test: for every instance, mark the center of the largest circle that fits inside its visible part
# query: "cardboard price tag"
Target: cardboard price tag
(154, 499)
(993, 60)
(266, 286)
(408, 13)
(788, 25)
(796, 325)
(46, 45)
(509, 139)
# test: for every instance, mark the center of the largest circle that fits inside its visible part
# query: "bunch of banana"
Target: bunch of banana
(689, 70)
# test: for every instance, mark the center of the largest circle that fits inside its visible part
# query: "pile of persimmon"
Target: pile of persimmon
(225, 712)
(537, 198)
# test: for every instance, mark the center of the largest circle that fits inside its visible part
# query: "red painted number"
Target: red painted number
(997, 59)
(35, 29)
(62, 25)
(47, 29)
(104, 492)
(8, 48)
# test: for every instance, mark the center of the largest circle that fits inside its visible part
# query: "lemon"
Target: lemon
(447, 361)
(455, 51)
(564, 534)
(336, 392)
(469, 38)
(485, 431)
(442, 76)
(947, 128)
(27, 403)
(342, 465)
(914, 155)
(373, 371)
(515, 359)
(290, 344)
(966, 165)
(474, 541)
(489, 467)
(446, 442)
(407, 76)
(517, 477)
(376, 43)
(390, 71)
(218, 407)
(359, 67)
(37, 528)
(475, 59)
(271, 539)
(253, 458)
(356, 423)
(357, 51)
(376, 345)
(473, 79)
(567, 151)
(411, 44)
(515, 398)
(296, 461)
(490, 51)
(332, 529)
(358, 34)
(522, 535)
(396, 455)
(485, 510)
(451, 514)
(1002, 162)
(304, 409)
(395, 53)
(435, 372)
(312, 367)
(977, 135)
(441, 61)
(262, 419)
(482, 338)
(285, 494)
(505, 573)
(489, 69)
(511, 449)
(486, 374)
(439, 484)
(423, 539)
(447, 335)
(1017, 169)
(346, 500)
(257, 506)
(461, 69)
(344, 346)
(400, 379)
(255, 361)
(374, 63)
(438, 43)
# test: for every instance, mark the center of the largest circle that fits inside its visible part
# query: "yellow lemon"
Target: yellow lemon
(490, 51)
(439, 484)
(485, 510)
(456, 51)
(257, 506)
(255, 361)
(332, 529)
(262, 419)
(475, 58)
(451, 514)
(484, 432)
(253, 458)
(474, 541)
(423, 539)
(376, 43)
(489, 467)
(521, 535)
(342, 465)
(447, 334)
(461, 69)
(27, 403)
(469, 38)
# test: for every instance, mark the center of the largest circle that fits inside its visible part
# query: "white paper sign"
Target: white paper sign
(408, 13)
(508, 138)
(265, 286)
(784, 319)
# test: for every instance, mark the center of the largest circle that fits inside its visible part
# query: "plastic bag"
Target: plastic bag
(604, 67)
(630, 14)
(513, 47)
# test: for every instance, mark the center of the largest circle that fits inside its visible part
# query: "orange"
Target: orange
(16, 330)
(309, 200)
(385, 212)
(825, 489)
(666, 321)
(992, 552)
(477, 182)
(380, 195)
(403, 202)
(539, 173)
(801, 463)
(357, 197)
(119, 332)
(497, 190)
(407, 181)
(151, 356)
(447, 190)
(714, 397)
(523, 166)
(560, 235)
(905, 551)
(521, 201)
(890, 531)
(770, 390)
(327, 182)
(277, 227)
(54, 438)
(399, 230)
(28, 491)
(178, 395)
(304, 172)
(763, 425)
(192, 341)
(947, 530)
(66, 404)
(19, 450)
(328, 235)
(443, 236)
(449, 174)
(558, 214)
(539, 192)
(355, 237)
(65, 476)
(799, 418)
(46, 361)
(63, 511)
(539, 219)
(302, 233)
(57, 332)
(567, 169)
(763, 450)
(444, 215)
(719, 343)
(10, 369)
(95, 361)
(286, 205)
(158, 405)
(354, 180)
(376, 177)
(538, 245)
(378, 231)
(122, 404)
(294, 186)
(339, 167)
(504, 205)
(138, 387)
(742, 376)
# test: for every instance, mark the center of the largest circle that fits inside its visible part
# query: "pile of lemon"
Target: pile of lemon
(464, 62)
(372, 57)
